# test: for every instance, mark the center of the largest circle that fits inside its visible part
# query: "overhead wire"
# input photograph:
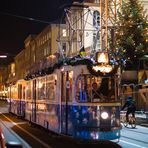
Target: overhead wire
(26, 18)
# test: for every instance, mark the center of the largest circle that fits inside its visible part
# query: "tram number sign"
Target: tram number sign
(67, 84)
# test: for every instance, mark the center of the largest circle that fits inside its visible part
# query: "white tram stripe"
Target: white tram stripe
(92, 104)
(132, 144)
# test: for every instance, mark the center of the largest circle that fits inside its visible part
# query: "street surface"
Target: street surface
(21, 131)
(134, 138)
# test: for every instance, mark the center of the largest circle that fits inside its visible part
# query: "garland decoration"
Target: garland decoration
(101, 74)
(73, 62)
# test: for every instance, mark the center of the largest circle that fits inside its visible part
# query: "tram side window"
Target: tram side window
(41, 89)
(14, 92)
(106, 88)
(50, 90)
(83, 88)
(19, 91)
(28, 90)
(96, 94)
(50, 87)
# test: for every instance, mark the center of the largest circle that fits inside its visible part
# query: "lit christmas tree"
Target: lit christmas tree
(131, 34)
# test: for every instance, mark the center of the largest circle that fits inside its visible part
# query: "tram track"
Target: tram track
(134, 139)
(23, 143)
(131, 130)
(49, 139)
(53, 140)
(23, 130)
(132, 144)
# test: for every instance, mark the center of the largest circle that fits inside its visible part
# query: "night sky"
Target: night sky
(15, 25)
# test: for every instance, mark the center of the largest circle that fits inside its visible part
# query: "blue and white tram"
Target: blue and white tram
(73, 102)
(16, 98)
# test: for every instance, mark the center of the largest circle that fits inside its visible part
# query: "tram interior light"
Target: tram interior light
(104, 115)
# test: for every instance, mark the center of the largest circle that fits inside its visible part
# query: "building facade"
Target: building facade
(20, 65)
(82, 24)
(37, 52)
(3, 78)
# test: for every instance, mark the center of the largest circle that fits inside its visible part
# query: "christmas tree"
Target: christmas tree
(131, 34)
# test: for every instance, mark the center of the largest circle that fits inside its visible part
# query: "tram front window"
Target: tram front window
(95, 89)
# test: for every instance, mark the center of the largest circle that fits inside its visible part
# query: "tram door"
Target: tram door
(33, 119)
(66, 97)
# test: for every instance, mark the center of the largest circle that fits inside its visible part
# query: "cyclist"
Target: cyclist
(131, 108)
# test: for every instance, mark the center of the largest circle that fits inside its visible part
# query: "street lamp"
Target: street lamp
(3, 56)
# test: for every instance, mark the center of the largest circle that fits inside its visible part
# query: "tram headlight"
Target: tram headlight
(104, 115)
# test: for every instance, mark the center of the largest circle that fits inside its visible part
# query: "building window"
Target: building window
(96, 19)
(64, 32)
(44, 51)
(34, 58)
(64, 47)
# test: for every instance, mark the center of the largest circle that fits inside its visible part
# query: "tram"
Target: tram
(70, 99)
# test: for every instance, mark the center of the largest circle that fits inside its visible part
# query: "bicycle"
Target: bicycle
(132, 121)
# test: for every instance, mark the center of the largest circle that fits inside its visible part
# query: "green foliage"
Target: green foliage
(131, 33)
